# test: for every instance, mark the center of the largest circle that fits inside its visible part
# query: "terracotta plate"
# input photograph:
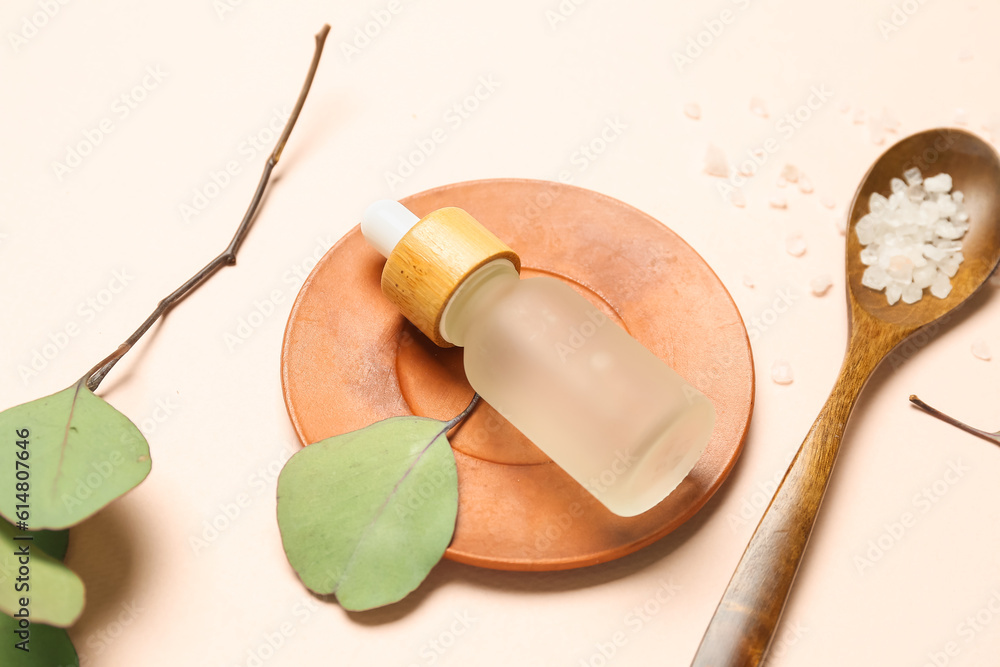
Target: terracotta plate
(349, 359)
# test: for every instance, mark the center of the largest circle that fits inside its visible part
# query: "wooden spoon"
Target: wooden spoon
(745, 620)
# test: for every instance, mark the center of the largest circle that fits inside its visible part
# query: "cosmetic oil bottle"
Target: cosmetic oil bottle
(603, 407)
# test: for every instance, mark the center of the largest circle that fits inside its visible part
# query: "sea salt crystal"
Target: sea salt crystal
(859, 117)
(892, 293)
(911, 240)
(875, 277)
(924, 275)
(947, 206)
(916, 193)
(980, 350)
(947, 230)
(781, 372)
(692, 110)
(865, 229)
(715, 162)
(738, 199)
(820, 285)
(901, 269)
(748, 281)
(841, 222)
(805, 185)
(941, 287)
(778, 201)
(828, 202)
(913, 176)
(890, 122)
(949, 265)
(795, 245)
(961, 117)
(780, 182)
(758, 107)
(939, 183)
(790, 173)
(878, 202)
(876, 133)
(911, 293)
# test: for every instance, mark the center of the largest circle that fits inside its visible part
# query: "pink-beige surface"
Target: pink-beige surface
(133, 136)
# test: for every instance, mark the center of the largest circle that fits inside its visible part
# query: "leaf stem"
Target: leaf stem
(992, 437)
(95, 375)
(462, 415)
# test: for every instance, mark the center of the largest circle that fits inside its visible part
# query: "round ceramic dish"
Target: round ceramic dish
(350, 359)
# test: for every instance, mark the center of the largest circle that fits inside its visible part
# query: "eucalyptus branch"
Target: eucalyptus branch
(95, 375)
(992, 437)
(465, 413)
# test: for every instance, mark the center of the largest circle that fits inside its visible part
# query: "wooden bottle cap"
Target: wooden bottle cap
(432, 259)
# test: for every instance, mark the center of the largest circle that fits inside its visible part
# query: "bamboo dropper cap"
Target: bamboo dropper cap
(430, 260)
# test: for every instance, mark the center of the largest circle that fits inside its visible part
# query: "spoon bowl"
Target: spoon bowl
(975, 170)
(745, 620)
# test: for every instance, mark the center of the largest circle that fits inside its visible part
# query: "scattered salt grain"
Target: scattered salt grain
(692, 110)
(778, 201)
(980, 350)
(911, 239)
(890, 122)
(758, 107)
(715, 162)
(828, 202)
(820, 285)
(859, 117)
(748, 281)
(781, 182)
(781, 372)
(805, 185)
(738, 199)
(876, 133)
(795, 245)
(790, 173)
(961, 117)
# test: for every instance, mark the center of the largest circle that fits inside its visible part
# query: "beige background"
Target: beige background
(212, 409)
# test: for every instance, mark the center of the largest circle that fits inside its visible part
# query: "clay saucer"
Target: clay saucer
(350, 359)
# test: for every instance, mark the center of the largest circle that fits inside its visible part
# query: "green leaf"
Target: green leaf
(367, 514)
(82, 454)
(53, 542)
(49, 646)
(55, 594)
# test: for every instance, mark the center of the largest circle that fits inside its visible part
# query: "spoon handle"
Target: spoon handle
(744, 622)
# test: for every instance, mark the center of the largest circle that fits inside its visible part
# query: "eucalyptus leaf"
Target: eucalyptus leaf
(49, 646)
(54, 592)
(367, 514)
(82, 454)
(53, 542)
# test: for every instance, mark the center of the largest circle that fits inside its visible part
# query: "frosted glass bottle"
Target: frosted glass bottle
(603, 407)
